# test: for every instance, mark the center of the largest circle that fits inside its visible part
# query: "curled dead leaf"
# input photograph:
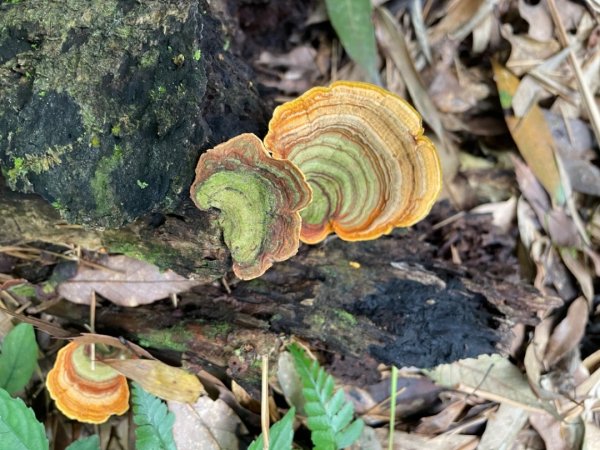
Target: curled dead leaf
(568, 332)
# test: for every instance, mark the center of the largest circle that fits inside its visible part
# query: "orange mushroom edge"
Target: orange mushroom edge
(258, 199)
(84, 391)
(364, 155)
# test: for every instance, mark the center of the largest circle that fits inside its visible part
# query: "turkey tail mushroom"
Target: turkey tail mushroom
(83, 391)
(258, 198)
(363, 153)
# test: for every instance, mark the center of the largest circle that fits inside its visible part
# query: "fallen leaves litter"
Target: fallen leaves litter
(205, 425)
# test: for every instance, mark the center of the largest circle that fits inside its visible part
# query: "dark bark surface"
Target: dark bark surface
(106, 106)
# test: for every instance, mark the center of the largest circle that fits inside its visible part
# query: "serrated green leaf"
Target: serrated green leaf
(314, 409)
(323, 440)
(350, 435)
(281, 434)
(343, 418)
(338, 401)
(352, 22)
(88, 443)
(19, 429)
(18, 358)
(154, 422)
(319, 423)
(328, 413)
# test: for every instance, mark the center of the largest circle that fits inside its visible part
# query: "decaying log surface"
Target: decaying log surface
(385, 301)
(189, 243)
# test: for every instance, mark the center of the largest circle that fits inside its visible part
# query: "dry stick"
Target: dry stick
(93, 329)
(393, 390)
(264, 402)
(588, 97)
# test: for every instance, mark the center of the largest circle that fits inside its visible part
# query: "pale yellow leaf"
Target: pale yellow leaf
(160, 379)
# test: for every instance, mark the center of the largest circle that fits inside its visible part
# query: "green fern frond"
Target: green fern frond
(281, 434)
(329, 415)
(154, 421)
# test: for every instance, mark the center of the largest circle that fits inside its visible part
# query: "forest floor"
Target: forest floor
(509, 91)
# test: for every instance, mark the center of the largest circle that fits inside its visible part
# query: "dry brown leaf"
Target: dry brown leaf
(531, 134)
(244, 399)
(568, 332)
(440, 422)
(453, 94)
(503, 427)
(552, 277)
(526, 53)
(123, 344)
(503, 213)
(534, 356)
(42, 325)
(558, 225)
(296, 70)
(206, 425)
(557, 435)
(527, 221)
(573, 137)
(584, 176)
(482, 33)
(490, 377)
(582, 273)
(290, 381)
(531, 89)
(124, 281)
(459, 14)
(590, 386)
(537, 16)
(160, 379)
(391, 39)
(412, 441)
(368, 440)
(591, 436)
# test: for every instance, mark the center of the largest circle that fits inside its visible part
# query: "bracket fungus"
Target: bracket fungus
(84, 392)
(363, 153)
(258, 198)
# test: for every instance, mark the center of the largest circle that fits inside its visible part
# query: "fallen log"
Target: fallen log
(384, 301)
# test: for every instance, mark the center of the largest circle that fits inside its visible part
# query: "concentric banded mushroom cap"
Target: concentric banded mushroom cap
(85, 394)
(258, 198)
(363, 153)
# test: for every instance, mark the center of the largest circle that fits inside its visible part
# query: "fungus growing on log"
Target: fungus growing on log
(258, 198)
(84, 392)
(363, 153)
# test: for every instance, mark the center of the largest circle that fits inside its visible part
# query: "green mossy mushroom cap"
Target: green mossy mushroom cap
(258, 198)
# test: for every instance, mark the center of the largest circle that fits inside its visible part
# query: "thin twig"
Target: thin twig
(393, 390)
(93, 329)
(264, 402)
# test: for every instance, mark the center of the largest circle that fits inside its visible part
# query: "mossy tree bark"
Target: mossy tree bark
(106, 106)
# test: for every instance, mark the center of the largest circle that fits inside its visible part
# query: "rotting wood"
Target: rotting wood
(384, 301)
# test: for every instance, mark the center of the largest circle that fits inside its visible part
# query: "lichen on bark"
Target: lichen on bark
(108, 105)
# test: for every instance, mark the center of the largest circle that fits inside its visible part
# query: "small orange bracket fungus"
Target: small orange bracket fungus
(363, 153)
(84, 392)
(258, 198)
